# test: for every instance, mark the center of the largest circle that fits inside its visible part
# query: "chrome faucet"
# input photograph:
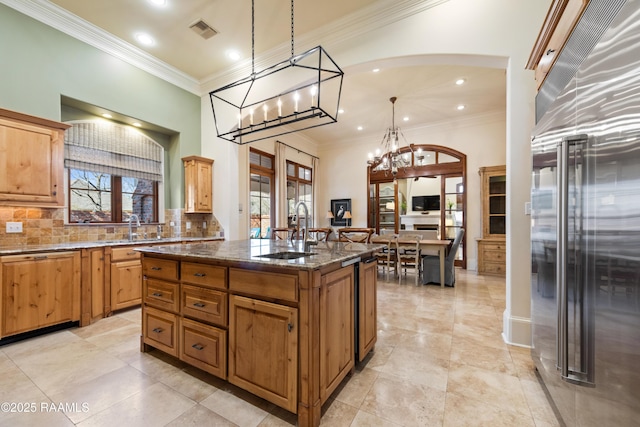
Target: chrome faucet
(131, 234)
(305, 233)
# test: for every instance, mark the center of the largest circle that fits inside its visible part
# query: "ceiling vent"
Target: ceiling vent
(203, 29)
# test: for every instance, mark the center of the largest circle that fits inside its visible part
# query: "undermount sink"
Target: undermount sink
(286, 255)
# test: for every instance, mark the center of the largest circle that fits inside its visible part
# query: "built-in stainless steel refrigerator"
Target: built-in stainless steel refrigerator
(585, 224)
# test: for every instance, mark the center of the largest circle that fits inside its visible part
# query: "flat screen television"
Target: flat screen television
(425, 203)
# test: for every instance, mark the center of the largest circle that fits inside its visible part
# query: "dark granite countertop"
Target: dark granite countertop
(324, 253)
(73, 246)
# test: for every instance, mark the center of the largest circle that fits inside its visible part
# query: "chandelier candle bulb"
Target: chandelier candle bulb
(314, 90)
(279, 107)
(265, 108)
(296, 97)
(251, 117)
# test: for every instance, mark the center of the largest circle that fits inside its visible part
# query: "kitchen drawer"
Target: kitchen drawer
(160, 330)
(124, 253)
(494, 268)
(264, 284)
(493, 246)
(161, 294)
(204, 304)
(204, 346)
(211, 276)
(160, 268)
(496, 256)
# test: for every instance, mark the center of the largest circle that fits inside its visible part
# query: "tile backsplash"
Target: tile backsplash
(46, 225)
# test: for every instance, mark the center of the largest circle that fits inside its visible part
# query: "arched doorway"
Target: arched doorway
(429, 194)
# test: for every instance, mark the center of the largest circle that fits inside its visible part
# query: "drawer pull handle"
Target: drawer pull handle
(131, 253)
(199, 274)
(157, 294)
(158, 330)
(40, 257)
(198, 304)
(198, 346)
(156, 268)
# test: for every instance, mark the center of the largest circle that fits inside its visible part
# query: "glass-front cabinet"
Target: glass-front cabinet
(383, 207)
(492, 245)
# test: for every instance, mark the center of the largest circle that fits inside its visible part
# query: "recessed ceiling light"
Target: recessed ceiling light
(107, 116)
(359, 127)
(375, 70)
(406, 119)
(145, 39)
(341, 111)
(460, 82)
(159, 3)
(136, 124)
(460, 107)
(233, 55)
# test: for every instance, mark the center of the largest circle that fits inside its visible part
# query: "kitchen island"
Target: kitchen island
(279, 320)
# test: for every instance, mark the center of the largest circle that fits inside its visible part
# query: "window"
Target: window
(114, 172)
(100, 197)
(299, 189)
(261, 200)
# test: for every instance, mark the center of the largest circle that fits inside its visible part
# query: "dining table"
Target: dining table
(432, 244)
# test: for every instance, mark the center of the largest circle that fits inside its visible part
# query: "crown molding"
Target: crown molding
(58, 18)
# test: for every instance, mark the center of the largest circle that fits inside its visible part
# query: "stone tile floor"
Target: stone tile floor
(439, 361)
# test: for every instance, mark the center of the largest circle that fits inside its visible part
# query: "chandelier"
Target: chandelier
(299, 93)
(391, 157)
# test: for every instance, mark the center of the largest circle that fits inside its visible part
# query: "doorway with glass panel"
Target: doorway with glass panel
(428, 196)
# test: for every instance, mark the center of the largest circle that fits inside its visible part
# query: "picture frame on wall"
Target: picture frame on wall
(339, 207)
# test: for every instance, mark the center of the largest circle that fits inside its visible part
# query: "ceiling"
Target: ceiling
(426, 94)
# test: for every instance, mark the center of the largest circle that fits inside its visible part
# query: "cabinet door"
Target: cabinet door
(39, 290)
(263, 349)
(336, 329)
(367, 328)
(31, 167)
(96, 282)
(198, 173)
(126, 284)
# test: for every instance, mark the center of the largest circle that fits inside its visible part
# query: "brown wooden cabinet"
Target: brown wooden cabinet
(492, 245)
(32, 161)
(367, 325)
(198, 184)
(562, 17)
(93, 285)
(125, 278)
(263, 349)
(39, 290)
(337, 329)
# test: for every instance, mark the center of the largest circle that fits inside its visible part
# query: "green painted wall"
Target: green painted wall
(39, 64)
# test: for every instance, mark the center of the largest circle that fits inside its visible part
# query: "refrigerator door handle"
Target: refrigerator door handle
(561, 261)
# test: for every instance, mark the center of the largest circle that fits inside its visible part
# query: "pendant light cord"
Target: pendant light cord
(292, 28)
(253, 38)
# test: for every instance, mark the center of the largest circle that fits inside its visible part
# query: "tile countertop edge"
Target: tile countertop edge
(249, 251)
(74, 246)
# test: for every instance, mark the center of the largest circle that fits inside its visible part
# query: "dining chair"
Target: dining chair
(355, 235)
(431, 264)
(283, 233)
(408, 254)
(319, 234)
(387, 255)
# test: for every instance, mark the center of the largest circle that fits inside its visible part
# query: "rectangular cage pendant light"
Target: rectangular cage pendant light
(300, 93)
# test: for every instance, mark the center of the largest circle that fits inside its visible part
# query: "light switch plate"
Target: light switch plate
(14, 227)
(188, 225)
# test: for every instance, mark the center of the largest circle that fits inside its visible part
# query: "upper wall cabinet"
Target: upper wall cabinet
(562, 17)
(198, 183)
(31, 160)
